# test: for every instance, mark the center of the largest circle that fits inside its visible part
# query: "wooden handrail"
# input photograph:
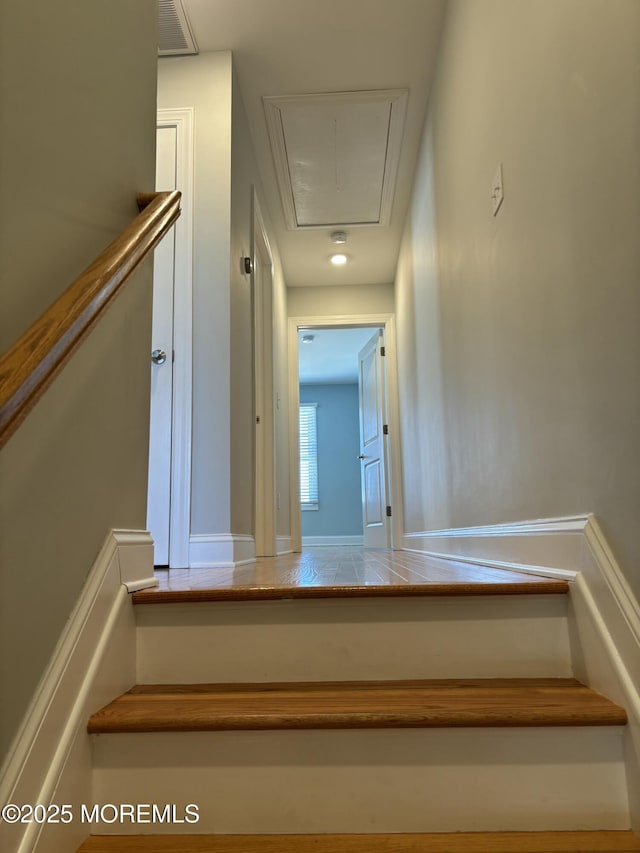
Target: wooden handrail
(28, 367)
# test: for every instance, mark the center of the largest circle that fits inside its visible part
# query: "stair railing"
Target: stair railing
(28, 367)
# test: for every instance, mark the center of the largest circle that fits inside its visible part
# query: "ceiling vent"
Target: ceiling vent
(336, 155)
(174, 33)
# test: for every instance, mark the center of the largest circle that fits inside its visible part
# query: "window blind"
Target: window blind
(308, 456)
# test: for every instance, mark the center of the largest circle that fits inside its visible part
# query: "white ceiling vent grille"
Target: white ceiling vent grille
(174, 33)
(336, 155)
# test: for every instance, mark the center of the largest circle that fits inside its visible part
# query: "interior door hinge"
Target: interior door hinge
(389, 512)
(383, 351)
(385, 429)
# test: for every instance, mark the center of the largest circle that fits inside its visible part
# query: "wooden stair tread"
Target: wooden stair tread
(532, 586)
(369, 704)
(459, 842)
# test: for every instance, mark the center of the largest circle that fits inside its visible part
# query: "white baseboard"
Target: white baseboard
(135, 557)
(552, 547)
(284, 545)
(605, 624)
(605, 615)
(333, 540)
(94, 660)
(221, 550)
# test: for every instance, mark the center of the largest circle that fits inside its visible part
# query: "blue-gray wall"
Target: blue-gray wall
(340, 501)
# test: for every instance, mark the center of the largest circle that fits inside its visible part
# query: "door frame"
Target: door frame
(393, 456)
(264, 513)
(181, 415)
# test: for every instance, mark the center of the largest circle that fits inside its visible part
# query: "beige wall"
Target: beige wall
(244, 178)
(518, 335)
(352, 299)
(225, 173)
(78, 143)
(66, 168)
(204, 83)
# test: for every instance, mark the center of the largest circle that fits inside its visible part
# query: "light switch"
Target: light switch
(497, 194)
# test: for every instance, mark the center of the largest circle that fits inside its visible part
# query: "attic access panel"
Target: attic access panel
(336, 155)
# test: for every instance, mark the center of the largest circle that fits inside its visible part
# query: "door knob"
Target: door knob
(362, 456)
(158, 356)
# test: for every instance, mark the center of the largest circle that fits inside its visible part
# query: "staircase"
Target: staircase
(352, 720)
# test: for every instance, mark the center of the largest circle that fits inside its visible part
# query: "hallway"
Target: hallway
(325, 572)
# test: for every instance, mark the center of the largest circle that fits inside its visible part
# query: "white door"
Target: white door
(372, 444)
(160, 451)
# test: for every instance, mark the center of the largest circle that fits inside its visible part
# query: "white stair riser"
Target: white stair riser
(443, 780)
(484, 637)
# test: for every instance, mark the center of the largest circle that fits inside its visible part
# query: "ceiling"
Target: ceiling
(300, 47)
(332, 356)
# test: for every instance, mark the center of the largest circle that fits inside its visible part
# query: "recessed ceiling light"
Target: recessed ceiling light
(339, 260)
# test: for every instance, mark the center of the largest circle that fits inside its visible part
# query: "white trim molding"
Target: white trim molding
(221, 550)
(93, 661)
(605, 622)
(602, 566)
(135, 559)
(552, 547)
(333, 540)
(262, 278)
(283, 545)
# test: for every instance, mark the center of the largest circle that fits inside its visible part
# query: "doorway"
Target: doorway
(343, 414)
(169, 484)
